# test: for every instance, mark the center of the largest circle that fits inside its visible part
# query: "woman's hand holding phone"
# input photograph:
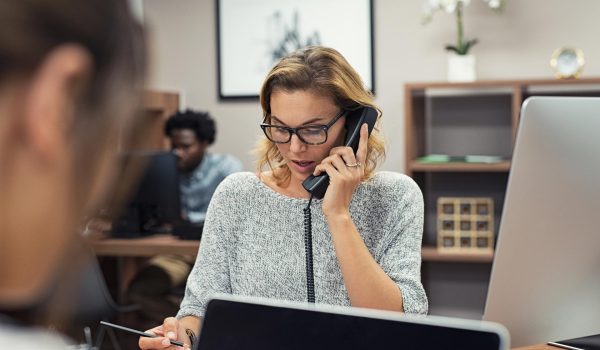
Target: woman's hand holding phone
(345, 170)
(171, 329)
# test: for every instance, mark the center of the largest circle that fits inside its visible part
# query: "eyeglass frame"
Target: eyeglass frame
(294, 131)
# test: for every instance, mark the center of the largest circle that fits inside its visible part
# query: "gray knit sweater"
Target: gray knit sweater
(253, 243)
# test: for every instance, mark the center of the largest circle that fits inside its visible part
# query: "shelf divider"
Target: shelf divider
(460, 167)
(432, 254)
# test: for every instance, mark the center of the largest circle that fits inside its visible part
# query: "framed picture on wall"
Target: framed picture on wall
(253, 35)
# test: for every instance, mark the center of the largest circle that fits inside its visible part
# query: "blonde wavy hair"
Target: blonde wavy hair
(326, 71)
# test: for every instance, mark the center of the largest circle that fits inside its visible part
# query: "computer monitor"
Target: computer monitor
(545, 282)
(155, 203)
(234, 322)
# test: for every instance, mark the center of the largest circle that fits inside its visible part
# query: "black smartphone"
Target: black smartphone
(317, 185)
(134, 331)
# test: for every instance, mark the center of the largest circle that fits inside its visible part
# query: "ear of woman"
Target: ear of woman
(51, 99)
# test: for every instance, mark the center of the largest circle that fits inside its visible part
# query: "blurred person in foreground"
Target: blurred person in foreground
(70, 79)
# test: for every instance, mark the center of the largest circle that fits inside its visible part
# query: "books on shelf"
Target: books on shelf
(444, 158)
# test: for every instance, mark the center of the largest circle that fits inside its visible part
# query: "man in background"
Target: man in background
(190, 133)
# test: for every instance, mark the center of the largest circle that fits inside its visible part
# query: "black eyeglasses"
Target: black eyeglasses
(310, 134)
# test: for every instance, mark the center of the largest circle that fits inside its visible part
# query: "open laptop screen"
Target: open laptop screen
(239, 324)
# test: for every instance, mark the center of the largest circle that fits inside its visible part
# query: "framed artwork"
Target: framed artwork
(253, 35)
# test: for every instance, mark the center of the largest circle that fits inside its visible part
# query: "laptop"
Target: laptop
(233, 322)
(545, 281)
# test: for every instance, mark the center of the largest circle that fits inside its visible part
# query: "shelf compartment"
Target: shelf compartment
(457, 184)
(463, 125)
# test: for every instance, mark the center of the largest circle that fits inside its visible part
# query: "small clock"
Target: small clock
(567, 62)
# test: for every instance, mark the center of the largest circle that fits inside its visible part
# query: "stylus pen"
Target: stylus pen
(141, 334)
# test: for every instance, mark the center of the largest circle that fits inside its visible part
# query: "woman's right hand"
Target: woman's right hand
(169, 330)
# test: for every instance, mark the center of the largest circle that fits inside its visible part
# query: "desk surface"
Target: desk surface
(167, 244)
(538, 347)
(144, 246)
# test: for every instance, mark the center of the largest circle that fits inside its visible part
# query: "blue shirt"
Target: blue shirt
(198, 186)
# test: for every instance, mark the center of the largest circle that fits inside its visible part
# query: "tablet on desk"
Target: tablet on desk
(234, 322)
(591, 342)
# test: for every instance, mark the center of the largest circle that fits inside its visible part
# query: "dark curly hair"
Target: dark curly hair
(201, 123)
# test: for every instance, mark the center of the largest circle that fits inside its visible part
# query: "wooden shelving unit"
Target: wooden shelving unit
(471, 118)
(460, 119)
(158, 107)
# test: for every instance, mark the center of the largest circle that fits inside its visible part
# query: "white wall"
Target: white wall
(514, 45)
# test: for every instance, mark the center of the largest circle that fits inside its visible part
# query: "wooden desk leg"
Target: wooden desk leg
(127, 268)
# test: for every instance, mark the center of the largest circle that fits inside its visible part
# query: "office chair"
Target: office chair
(94, 302)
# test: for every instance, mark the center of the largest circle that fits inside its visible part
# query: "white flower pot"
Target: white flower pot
(461, 68)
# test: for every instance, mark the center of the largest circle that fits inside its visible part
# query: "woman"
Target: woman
(69, 77)
(366, 230)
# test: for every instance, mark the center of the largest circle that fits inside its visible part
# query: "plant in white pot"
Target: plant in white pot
(461, 64)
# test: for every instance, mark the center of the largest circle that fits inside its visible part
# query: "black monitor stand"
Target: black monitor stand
(188, 230)
(139, 221)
